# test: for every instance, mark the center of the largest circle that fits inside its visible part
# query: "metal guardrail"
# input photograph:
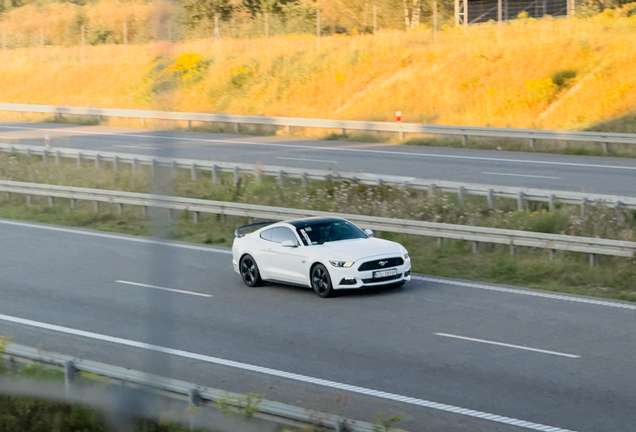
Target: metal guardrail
(197, 395)
(531, 135)
(195, 165)
(475, 234)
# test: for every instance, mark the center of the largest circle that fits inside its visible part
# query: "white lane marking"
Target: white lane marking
(163, 289)
(508, 345)
(306, 160)
(116, 236)
(384, 152)
(528, 293)
(283, 374)
(136, 147)
(522, 175)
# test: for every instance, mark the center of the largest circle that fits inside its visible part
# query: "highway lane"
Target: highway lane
(536, 170)
(382, 340)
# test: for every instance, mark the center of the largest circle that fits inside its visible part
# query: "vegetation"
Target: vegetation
(569, 272)
(557, 74)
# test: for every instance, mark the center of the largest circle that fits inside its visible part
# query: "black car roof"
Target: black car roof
(299, 223)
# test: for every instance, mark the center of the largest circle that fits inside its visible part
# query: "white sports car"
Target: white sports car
(325, 254)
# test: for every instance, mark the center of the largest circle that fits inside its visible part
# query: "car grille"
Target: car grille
(382, 279)
(375, 265)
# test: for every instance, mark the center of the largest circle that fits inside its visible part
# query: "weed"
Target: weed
(242, 405)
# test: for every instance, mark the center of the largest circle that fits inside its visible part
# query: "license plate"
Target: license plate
(384, 273)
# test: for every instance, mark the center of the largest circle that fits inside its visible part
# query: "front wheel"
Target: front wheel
(249, 271)
(321, 282)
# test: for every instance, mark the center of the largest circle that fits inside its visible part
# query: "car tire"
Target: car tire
(321, 281)
(249, 271)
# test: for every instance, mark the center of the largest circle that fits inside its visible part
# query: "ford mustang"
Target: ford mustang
(323, 253)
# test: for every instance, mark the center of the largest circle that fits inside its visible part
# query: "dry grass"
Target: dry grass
(484, 75)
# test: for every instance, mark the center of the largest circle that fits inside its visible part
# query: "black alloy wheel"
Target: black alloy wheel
(321, 282)
(249, 272)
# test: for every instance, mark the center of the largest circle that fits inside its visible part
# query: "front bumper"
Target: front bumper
(351, 278)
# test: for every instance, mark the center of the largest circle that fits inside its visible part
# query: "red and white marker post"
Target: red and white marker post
(398, 119)
(47, 141)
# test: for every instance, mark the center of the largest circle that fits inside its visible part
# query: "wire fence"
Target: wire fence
(43, 32)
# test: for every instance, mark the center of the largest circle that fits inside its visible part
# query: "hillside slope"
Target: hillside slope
(555, 74)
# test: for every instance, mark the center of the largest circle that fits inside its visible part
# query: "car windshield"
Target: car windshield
(323, 232)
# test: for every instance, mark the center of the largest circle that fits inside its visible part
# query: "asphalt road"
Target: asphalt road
(607, 175)
(557, 360)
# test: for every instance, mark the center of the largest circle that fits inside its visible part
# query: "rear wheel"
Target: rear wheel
(321, 282)
(249, 272)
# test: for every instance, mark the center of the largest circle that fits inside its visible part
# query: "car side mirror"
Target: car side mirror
(368, 232)
(289, 243)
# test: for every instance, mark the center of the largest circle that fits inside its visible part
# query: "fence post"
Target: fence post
(499, 11)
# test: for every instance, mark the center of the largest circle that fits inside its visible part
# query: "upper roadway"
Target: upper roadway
(607, 175)
(179, 310)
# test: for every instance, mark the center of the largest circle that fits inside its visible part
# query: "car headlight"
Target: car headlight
(406, 256)
(345, 264)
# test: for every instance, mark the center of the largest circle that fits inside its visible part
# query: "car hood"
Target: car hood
(357, 249)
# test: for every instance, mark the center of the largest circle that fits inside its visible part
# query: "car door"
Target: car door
(284, 263)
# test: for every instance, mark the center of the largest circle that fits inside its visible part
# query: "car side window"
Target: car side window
(267, 234)
(282, 234)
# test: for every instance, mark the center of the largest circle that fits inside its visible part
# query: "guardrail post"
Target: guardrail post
(520, 202)
(618, 209)
(491, 199)
(606, 148)
(57, 158)
(224, 219)
(134, 165)
(461, 191)
(73, 203)
(513, 251)
(51, 201)
(236, 128)
(115, 163)
(431, 191)
(79, 160)
(532, 141)
(142, 121)
(173, 169)
(250, 220)
(153, 166)
(552, 254)
(69, 376)
(44, 155)
(193, 172)
(236, 175)
(342, 426)
(583, 207)
(344, 133)
(440, 242)
(304, 180)
(593, 260)
(215, 176)
(96, 206)
(120, 207)
(189, 125)
(464, 140)
(29, 200)
(551, 203)
(288, 130)
(171, 213)
(144, 211)
(281, 178)
(195, 217)
(97, 161)
(28, 152)
(475, 246)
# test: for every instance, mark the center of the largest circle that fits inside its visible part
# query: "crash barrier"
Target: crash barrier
(270, 416)
(196, 166)
(531, 135)
(475, 234)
